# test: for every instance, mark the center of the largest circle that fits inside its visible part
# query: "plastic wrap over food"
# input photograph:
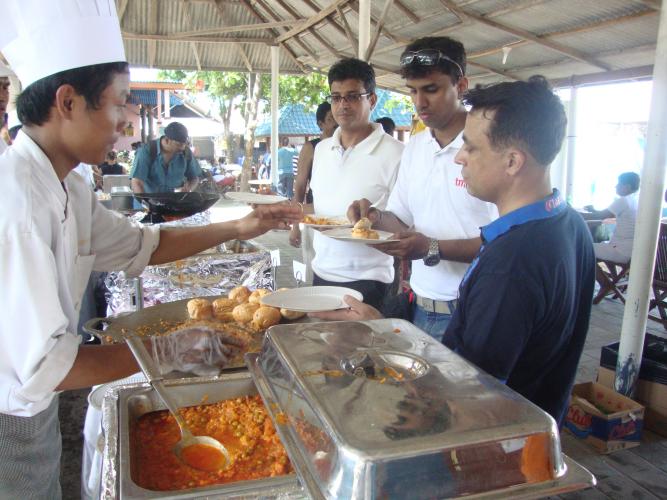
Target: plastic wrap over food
(202, 275)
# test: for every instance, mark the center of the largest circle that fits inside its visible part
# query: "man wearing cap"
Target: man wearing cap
(166, 164)
(435, 219)
(53, 231)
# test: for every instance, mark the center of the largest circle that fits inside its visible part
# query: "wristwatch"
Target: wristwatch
(433, 256)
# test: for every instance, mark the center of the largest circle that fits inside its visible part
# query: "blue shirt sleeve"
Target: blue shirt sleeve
(192, 169)
(142, 164)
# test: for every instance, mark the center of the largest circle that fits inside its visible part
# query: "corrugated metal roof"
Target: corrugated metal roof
(602, 39)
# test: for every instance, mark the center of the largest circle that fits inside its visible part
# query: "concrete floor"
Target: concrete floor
(605, 328)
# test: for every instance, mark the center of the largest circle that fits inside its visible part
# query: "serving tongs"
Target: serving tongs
(155, 378)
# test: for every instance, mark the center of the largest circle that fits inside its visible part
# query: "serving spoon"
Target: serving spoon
(199, 452)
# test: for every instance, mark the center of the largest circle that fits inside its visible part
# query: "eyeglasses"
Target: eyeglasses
(349, 98)
(427, 57)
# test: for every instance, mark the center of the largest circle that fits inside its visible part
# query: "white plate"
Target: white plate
(255, 198)
(345, 234)
(96, 396)
(311, 299)
(337, 221)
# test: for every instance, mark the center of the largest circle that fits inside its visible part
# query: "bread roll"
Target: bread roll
(265, 317)
(222, 309)
(200, 309)
(257, 295)
(243, 312)
(240, 294)
(291, 315)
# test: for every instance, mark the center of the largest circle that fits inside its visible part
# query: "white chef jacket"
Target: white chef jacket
(3, 146)
(51, 236)
(340, 176)
(431, 196)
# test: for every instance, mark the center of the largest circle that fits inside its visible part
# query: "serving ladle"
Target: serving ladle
(200, 452)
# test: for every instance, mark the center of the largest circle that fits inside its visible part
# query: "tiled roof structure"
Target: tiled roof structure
(149, 98)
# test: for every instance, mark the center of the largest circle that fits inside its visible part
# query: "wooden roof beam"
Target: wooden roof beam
(387, 33)
(245, 58)
(188, 19)
(573, 53)
(167, 38)
(348, 31)
(121, 11)
(579, 29)
(504, 74)
(311, 21)
(378, 30)
(152, 27)
(240, 27)
(330, 19)
(407, 11)
(288, 50)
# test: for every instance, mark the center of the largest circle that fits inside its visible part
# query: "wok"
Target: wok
(177, 204)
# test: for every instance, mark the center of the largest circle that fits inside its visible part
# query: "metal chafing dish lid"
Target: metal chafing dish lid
(380, 409)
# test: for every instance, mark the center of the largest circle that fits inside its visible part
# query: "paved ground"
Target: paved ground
(639, 473)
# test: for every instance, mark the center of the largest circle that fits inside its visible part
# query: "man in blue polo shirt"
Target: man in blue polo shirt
(166, 164)
(525, 301)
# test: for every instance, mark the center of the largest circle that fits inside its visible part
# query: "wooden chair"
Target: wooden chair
(615, 280)
(659, 302)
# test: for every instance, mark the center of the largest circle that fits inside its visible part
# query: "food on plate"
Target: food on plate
(291, 315)
(362, 229)
(257, 295)
(242, 424)
(321, 221)
(243, 313)
(240, 294)
(200, 309)
(265, 317)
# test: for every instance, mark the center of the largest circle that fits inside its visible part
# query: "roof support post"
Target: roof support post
(275, 65)
(571, 145)
(167, 104)
(647, 225)
(364, 27)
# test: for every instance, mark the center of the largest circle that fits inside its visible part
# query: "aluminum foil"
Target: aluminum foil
(201, 275)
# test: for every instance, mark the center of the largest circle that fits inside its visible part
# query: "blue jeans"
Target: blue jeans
(286, 185)
(432, 323)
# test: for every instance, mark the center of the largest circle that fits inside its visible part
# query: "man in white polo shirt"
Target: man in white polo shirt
(430, 209)
(358, 161)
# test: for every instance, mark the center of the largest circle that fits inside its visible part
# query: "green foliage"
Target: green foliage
(403, 102)
(309, 90)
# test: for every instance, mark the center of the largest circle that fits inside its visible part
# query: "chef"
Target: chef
(53, 231)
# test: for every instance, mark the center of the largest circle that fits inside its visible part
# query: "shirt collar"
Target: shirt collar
(548, 207)
(365, 146)
(457, 142)
(41, 166)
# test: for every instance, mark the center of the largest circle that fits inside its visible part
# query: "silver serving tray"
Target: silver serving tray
(392, 413)
(123, 405)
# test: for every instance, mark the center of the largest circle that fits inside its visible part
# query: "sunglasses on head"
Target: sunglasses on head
(427, 57)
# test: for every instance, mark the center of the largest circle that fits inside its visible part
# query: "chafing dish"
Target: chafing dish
(124, 405)
(378, 409)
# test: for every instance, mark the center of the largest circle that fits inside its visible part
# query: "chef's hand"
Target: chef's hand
(358, 311)
(266, 217)
(362, 208)
(295, 236)
(199, 350)
(410, 246)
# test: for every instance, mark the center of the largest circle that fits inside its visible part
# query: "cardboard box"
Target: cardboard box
(605, 419)
(652, 395)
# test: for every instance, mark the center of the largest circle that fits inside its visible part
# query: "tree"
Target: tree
(309, 90)
(226, 88)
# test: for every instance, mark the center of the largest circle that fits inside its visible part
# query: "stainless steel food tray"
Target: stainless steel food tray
(124, 404)
(379, 409)
(156, 319)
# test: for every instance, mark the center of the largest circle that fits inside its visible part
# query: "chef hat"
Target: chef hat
(40, 38)
(5, 71)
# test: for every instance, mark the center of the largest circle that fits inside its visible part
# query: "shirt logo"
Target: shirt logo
(460, 183)
(552, 203)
